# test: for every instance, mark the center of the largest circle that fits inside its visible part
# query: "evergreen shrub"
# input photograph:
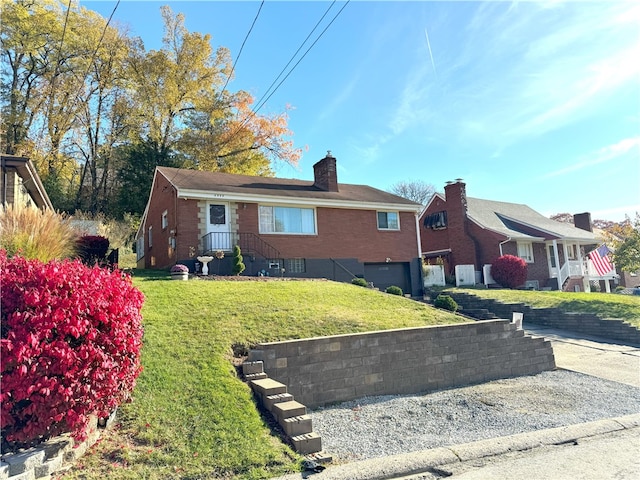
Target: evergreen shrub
(238, 261)
(360, 282)
(446, 303)
(393, 290)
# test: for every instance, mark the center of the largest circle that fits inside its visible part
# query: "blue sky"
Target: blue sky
(528, 102)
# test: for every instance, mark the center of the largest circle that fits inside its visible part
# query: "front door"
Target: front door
(218, 226)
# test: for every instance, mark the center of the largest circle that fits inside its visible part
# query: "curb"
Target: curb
(413, 463)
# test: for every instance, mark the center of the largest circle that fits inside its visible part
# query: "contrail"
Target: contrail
(433, 64)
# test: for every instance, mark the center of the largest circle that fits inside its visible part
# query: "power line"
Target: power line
(296, 52)
(241, 48)
(301, 58)
(255, 110)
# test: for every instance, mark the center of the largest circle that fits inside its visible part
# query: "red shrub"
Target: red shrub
(509, 271)
(93, 249)
(70, 346)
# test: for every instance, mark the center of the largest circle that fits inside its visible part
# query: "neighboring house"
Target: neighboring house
(20, 183)
(470, 231)
(285, 227)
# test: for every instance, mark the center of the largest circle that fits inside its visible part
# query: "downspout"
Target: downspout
(502, 243)
(418, 237)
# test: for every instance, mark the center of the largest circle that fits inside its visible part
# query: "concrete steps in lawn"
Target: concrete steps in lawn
(291, 415)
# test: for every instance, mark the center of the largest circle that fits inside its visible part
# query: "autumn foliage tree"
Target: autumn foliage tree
(509, 271)
(97, 112)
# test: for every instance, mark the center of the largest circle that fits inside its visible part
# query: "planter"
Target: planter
(179, 275)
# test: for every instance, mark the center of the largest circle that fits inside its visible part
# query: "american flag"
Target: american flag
(600, 260)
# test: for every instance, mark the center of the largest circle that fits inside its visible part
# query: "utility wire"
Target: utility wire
(241, 48)
(258, 107)
(255, 110)
(296, 52)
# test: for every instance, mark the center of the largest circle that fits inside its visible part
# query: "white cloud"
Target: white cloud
(515, 73)
(603, 155)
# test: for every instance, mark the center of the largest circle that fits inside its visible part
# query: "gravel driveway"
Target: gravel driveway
(379, 426)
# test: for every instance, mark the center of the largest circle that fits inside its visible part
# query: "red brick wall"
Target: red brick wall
(342, 233)
(163, 197)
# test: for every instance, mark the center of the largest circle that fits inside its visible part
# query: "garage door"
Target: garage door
(384, 275)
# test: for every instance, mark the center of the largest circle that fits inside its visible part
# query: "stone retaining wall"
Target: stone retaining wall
(49, 457)
(320, 371)
(585, 323)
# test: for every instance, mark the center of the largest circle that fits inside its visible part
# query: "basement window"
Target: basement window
(295, 265)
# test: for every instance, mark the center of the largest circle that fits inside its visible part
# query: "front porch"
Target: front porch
(577, 272)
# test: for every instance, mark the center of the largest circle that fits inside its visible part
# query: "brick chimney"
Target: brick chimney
(462, 245)
(325, 174)
(456, 196)
(583, 221)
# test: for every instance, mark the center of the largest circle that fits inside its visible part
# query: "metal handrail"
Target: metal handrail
(248, 242)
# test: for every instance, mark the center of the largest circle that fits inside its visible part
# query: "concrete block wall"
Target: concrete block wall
(321, 371)
(586, 323)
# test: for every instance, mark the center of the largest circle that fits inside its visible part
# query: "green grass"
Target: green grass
(191, 417)
(604, 305)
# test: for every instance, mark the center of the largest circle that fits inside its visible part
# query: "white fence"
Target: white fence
(434, 275)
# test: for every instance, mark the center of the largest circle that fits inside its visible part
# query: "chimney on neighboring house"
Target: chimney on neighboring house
(583, 221)
(463, 246)
(325, 174)
(456, 196)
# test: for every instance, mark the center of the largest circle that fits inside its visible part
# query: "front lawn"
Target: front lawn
(191, 417)
(604, 305)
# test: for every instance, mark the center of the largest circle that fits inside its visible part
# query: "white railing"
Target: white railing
(572, 268)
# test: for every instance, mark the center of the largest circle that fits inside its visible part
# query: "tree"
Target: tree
(415, 190)
(626, 243)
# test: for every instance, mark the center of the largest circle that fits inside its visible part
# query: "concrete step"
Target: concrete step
(267, 386)
(319, 457)
(307, 443)
(294, 426)
(249, 368)
(287, 410)
(255, 376)
(270, 400)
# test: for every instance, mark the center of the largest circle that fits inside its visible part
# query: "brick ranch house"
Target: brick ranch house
(293, 228)
(461, 230)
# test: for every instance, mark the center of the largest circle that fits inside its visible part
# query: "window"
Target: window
(287, 220)
(217, 215)
(388, 221)
(552, 257)
(165, 219)
(295, 265)
(572, 251)
(150, 237)
(139, 248)
(436, 221)
(525, 251)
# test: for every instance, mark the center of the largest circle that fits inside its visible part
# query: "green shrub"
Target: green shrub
(38, 234)
(361, 282)
(393, 290)
(238, 264)
(446, 303)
